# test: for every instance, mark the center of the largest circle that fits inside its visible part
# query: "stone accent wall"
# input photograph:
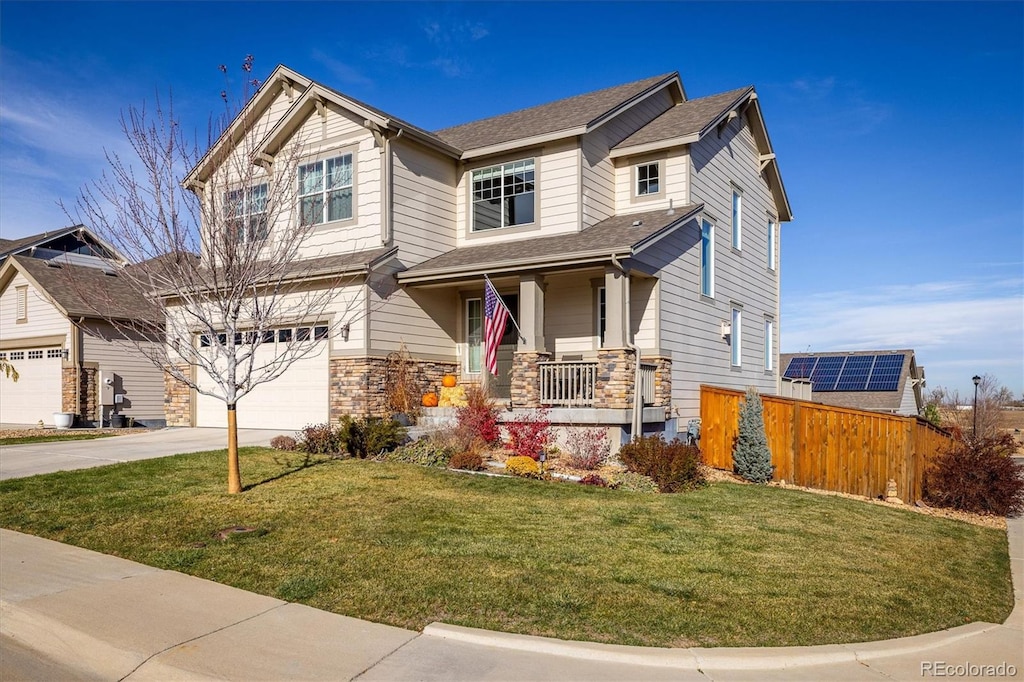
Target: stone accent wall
(79, 389)
(177, 400)
(68, 393)
(525, 389)
(616, 369)
(359, 385)
(662, 380)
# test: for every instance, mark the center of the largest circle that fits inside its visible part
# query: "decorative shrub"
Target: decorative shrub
(977, 476)
(478, 419)
(594, 479)
(471, 461)
(282, 443)
(520, 465)
(632, 482)
(751, 458)
(369, 436)
(529, 433)
(588, 448)
(401, 388)
(425, 451)
(674, 466)
(319, 439)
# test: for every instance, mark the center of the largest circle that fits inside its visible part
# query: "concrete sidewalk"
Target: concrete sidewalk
(69, 613)
(17, 461)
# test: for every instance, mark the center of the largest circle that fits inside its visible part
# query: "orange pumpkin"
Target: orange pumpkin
(448, 380)
(429, 400)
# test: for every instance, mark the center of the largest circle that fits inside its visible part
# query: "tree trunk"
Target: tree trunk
(234, 476)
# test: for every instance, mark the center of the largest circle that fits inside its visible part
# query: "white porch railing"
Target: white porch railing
(568, 383)
(647, 373)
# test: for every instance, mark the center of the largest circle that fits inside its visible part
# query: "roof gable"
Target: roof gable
(57, 240)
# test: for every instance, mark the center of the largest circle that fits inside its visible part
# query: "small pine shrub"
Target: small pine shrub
(674, 466)
(632, 482)
(595, 480)
(529, 434)
(588, 448)
(977, 476)
(751, 458)
(282, 443)
(520, 465)
(425, 451)
(470, 461)
(319, 439)
(368, 437)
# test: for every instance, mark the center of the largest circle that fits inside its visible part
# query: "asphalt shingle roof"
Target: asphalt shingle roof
(615, 235)
(562, 114)
(686, 118)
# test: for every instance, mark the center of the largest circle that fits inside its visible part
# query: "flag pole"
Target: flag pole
(502, 302)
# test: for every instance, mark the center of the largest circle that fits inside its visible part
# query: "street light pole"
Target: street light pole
(977, 380)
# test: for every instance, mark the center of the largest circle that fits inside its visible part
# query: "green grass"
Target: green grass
(727, 565)
(71, 435)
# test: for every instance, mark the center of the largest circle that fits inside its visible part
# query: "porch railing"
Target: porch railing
(647, 373)
(568, 383)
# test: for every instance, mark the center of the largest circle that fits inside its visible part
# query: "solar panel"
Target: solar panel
(826, 373)
(855, 373)
(885, 376)
(800, 368)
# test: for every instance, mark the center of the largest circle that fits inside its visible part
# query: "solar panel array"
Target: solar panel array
(848, 372)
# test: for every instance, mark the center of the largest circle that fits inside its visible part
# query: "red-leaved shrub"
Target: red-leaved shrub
(594, 479)
(977, 476)
(479, 418)
(588, 448)
(529, 433)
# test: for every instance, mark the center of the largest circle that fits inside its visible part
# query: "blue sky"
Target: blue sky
(898, 127)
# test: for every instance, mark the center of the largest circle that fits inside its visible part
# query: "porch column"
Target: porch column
(531, 313)
(615, 331)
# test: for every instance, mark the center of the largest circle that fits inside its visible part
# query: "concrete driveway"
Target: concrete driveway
(17, 461)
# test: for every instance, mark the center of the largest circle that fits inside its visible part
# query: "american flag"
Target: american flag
(495, 317)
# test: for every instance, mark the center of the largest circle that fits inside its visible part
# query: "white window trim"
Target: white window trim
(769, 344)
(472, 201)
(737, 218)
(465, 318)
(323, 159)
(710, 264)
(772, 242)
(636, 180)
(245, 234)
(736, 338)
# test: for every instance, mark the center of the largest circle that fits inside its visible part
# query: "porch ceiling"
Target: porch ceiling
(618, 236)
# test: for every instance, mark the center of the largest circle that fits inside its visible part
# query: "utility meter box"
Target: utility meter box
(106, 388)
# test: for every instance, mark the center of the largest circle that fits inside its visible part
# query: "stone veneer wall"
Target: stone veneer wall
(177, 400)
(525, 380)
(662, 380)
(84, 394)
(358, 385)
(616, 369)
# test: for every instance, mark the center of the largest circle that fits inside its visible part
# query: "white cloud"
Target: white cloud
(341, 71)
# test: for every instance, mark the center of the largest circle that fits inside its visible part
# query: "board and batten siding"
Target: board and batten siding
(557, 195)
(142, 383)
(597, 170)
(42, 316)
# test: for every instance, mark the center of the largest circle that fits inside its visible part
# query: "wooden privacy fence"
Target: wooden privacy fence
(826, 447)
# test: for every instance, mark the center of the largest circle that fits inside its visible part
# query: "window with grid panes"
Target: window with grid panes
(503, 196)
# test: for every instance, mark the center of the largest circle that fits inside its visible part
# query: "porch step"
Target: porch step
(436, 418)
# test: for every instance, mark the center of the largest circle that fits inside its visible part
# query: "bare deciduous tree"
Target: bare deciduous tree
(959, 411)
(226, 256)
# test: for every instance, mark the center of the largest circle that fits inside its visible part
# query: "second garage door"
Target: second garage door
(35, 396)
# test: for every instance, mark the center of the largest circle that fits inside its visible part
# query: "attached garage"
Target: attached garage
(36, 395)
(300, 396)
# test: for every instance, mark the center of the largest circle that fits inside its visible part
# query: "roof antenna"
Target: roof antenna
(671, 211)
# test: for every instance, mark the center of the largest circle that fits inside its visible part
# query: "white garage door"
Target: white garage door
(36, 393)
(298, 397)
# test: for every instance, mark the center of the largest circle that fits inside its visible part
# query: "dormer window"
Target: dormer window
(648, 179)
(503, 196)
(325, 190)
(245, 212)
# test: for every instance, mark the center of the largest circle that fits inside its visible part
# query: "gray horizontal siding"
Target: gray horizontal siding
(142, 382)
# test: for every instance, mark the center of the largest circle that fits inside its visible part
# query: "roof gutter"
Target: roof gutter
(494, 268)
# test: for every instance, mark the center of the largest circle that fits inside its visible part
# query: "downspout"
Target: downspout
(637, 423)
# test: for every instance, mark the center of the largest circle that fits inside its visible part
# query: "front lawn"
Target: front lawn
(727, 565)
(23, 437)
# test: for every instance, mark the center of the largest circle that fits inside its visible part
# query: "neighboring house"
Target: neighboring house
(880, 380)
(631, 219)
(56, 288)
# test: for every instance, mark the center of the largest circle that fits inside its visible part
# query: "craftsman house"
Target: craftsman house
(58, 291)
(623, 226)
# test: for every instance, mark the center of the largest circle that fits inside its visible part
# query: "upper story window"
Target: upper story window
(707, 258)
(648, 179)
(736, 337)
(737, 219)
(325, 190)
(503, 196)
(245, 211)
(771, 244)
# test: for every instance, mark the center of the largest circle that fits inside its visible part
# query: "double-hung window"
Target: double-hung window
(707, 258)
(245, 212)
(736, 337)
(737, 219)
(325, 190)
(503, 196)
